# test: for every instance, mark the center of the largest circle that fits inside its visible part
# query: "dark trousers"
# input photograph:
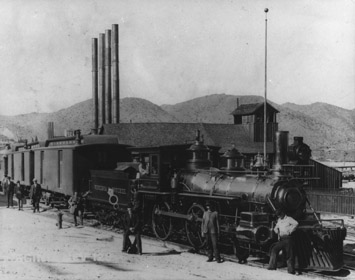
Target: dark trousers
(20, 203)
(35, 203)
(286, 244)
(127, 242)
(10, 200)
(79, 212)
(212, 246)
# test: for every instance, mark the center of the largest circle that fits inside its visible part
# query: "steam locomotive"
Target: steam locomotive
(170, 186)
(178, 180)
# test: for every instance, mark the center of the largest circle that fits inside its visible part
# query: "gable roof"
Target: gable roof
(162, 134)
(251, 109)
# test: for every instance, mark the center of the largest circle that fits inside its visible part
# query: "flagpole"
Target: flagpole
(265, 93)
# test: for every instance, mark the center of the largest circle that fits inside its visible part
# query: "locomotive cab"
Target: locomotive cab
(159, 163)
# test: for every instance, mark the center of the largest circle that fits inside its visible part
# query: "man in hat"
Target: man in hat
(210, 230)
(285, 228)
(35, 195)
(132, 225)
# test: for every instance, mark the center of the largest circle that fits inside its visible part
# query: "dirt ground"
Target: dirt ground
(32, 247)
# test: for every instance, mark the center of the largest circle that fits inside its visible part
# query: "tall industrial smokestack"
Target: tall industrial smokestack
(115, 75)
(102, 76)
(95, 85)
(50, 130)
(108, 76)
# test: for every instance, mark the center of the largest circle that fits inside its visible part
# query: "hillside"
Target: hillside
(336, 117)
(329, 130)
(78, 116)
(215, 108)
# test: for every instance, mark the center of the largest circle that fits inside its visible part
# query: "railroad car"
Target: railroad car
(246, 200)
(62, 164)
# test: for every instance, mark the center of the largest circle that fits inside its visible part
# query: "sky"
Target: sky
(172, 51)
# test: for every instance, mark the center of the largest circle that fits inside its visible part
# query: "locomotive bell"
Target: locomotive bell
(259, 161)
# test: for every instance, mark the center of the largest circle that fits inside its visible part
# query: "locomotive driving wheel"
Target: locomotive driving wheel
(162, 225)
(241, 253)
(193, 226)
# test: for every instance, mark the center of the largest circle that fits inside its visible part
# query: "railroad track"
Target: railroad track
(184, 246)
(253, 261)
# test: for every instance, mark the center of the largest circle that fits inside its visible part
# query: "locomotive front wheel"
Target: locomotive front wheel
(162, 225)
(193, 226)
(241, 253)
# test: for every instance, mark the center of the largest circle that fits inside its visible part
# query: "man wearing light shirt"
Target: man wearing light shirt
(284, 228)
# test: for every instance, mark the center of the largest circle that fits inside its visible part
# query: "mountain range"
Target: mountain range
(329, 130)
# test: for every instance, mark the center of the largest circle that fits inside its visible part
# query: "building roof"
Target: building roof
(161, 134)
(251, 109)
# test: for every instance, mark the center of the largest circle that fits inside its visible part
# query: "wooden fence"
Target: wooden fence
(329, 177)
(333, 201)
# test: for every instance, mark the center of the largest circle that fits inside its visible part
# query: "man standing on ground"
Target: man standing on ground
(10, 187)
(285, 227)
(77, 207)
(210, 230)
(132, 225)
(35, 195)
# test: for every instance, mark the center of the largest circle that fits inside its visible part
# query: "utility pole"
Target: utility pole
(265, 93)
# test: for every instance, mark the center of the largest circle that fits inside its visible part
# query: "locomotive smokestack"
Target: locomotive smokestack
(95, 84)
(115, 75)
(281, 146)
(108, 104)
(102, 76)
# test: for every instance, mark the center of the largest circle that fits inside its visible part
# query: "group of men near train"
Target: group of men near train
(11, 189)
